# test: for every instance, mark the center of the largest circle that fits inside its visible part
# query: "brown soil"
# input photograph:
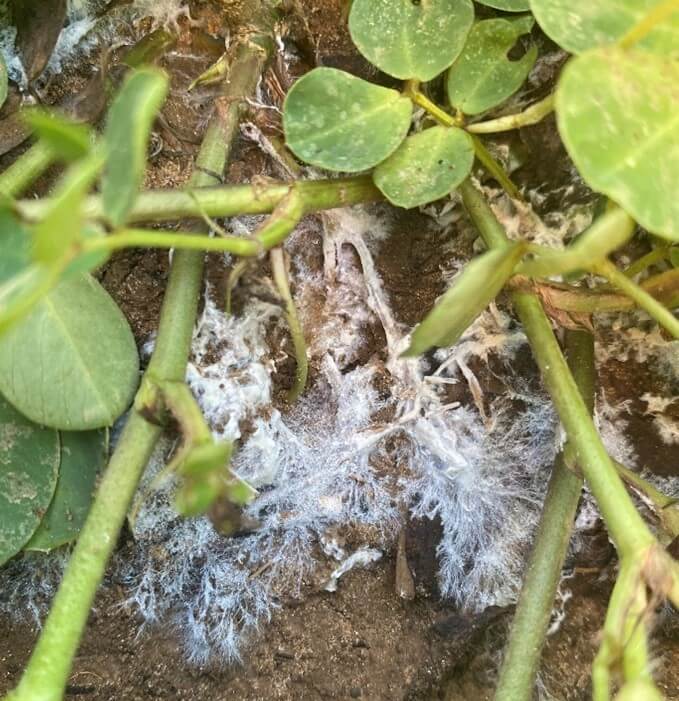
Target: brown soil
(363, 641)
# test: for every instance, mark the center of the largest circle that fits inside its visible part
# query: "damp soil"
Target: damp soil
(363, 641)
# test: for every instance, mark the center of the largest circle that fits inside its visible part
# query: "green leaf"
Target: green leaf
(578, 25)
(4, 82)
(15, 250)
(72, 362)
(68, 140)
(411, 39)
(477, 285)
(674, 256)
(29, 464)
(426, 166)
(618, 116)
(83, 456)
(339, 122)
(63, 221)
(507, 5)
(483, 76)
(127, 133)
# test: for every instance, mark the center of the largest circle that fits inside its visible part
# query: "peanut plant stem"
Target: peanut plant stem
(29, 166)
(642, 298)
(529, 627)
(627, 528)
(280, 276)
(47, 672)
(531, 115)
(225, 201)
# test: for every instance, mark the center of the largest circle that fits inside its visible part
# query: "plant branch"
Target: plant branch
(543, 573)
(280, 276)
(494, 168)
(651, 258)
(224, 201)
(47, 672)
(531, 115)
(664, 287)
(627, 528)
(29, 166)
(642, 298)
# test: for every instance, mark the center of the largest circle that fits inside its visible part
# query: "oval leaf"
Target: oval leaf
(483, 76)
(339, 122)
(507, 5)
(29, 464)
(426, 166)
(618, 115)
(474, 289)
(83, 456)
(72, 362)
(127, 133)
(411, 40)
(578, 25)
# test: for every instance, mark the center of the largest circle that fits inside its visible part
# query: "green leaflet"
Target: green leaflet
(339, 122)
(72, 362)
(476, 286)
(578, 25)
(618, 116)
(483, 77)
(426, 166)
(608, 232)
(126, 136)
(411, 40)
(83, 456)
(29, 463)
(68, 140)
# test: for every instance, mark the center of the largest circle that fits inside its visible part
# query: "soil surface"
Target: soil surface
(364, 641)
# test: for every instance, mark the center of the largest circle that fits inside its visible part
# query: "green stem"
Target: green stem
(27, 168)
(47, 672)
(627, 528)
(651, 258)
(440, 115)
(531, 115)
(529, 627)
(280, 276)
(642, 298)
(664, 287)
(225, 201)
(655, 16)
(495, 169)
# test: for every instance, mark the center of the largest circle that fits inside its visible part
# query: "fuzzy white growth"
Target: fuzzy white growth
(28, 583)
(361, 558)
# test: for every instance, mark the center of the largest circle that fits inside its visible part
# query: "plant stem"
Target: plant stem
(412, 91)
(531, 115)
(47, 672)
(664, 287)
(655, 16)
(225, 201)
(627, 528)
(529, 627)
(280, 276)
(29, 166)
(642, 298)
(494, 168)
(651, 258)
